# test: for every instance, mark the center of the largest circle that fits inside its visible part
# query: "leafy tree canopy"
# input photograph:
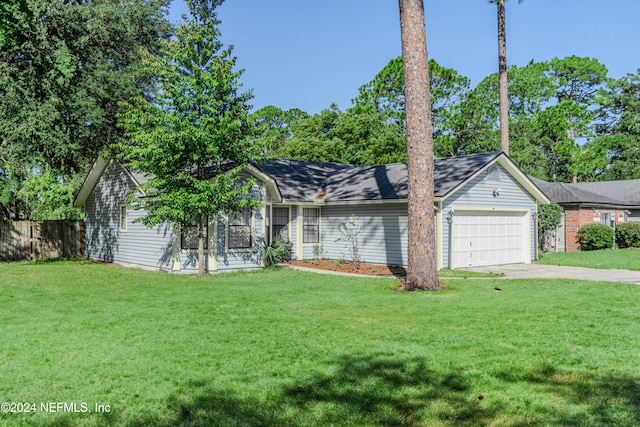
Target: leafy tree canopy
(61, 76)
(11, 12)
(191, 135)
(273, 126)
(356, 136)
(385, 93)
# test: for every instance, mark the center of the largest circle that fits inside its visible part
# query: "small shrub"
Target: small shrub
(350, 231)
(593, 237)
(628, 235)
(279, 250)
(318, 252)
(341, 261)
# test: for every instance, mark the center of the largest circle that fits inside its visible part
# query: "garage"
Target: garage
(490, 237)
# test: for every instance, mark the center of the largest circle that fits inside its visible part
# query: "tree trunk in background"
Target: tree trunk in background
(422, 268)
(502, 71)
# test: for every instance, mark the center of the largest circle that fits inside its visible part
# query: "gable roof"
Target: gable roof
(306, 181)
(624, 194)
(94, 175)
(299, 181)
(140, 179)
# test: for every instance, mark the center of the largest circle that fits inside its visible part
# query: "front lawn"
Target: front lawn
(288, 348)
(626, 259)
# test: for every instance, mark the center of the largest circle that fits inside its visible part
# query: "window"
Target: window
(122, 220)
(607, 218)
(493, 173)
(280, 223)
(189, 236)
(239, 230)
(310, 225)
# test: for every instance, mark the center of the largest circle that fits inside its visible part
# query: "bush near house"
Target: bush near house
(628, 235)
(549, 218)
(593, 237)
(278, 251)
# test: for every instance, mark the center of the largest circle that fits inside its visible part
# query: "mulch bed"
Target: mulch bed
(363, 268)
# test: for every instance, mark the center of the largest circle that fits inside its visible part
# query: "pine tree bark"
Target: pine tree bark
(502, 74)
(422, 266)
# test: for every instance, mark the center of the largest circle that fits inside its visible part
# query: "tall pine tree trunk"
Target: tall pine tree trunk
(422, 269)
(502, 73)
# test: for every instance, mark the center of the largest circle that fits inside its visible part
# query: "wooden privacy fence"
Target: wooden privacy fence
(26, 240)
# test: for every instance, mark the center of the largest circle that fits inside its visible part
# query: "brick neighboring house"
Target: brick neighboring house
(606, 202)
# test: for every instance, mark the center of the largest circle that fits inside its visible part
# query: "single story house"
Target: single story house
(605, 202)
(486, 212)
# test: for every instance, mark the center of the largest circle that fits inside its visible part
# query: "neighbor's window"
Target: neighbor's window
(607, 218)
(280, 223)
(239, 230)
(189, 236)
(123, 218)
(310, 225)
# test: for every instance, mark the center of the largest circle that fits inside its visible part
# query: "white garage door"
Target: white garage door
(490, 238)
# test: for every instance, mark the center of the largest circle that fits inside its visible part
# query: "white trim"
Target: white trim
(90, 182)
(523, 179)
(299, 249)
(266, 219)
(212, 252)
(319, 242)
(267, 180)
(122, 226)
(439, 235)
(177, 249)
(486, 209)
(252, 230)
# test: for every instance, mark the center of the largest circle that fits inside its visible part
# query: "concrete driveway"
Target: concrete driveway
(540, 271)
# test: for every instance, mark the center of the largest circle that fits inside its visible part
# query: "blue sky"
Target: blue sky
(308, 54)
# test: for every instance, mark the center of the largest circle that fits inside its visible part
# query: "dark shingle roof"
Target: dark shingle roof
(605, 193)
(304, 181)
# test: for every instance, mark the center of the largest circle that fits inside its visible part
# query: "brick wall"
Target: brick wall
(577, 217)
(571, 227)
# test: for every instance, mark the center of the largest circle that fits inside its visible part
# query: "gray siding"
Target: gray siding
(138, 245)
(479, 193)
(383, 239)
(234, 260)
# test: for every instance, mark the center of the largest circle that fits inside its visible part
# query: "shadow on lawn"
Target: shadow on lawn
(385, 390)
(587, 399)
(368, 390)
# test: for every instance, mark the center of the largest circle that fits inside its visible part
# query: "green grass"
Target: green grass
(626, 259)
(463, 274)
(287, 348)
